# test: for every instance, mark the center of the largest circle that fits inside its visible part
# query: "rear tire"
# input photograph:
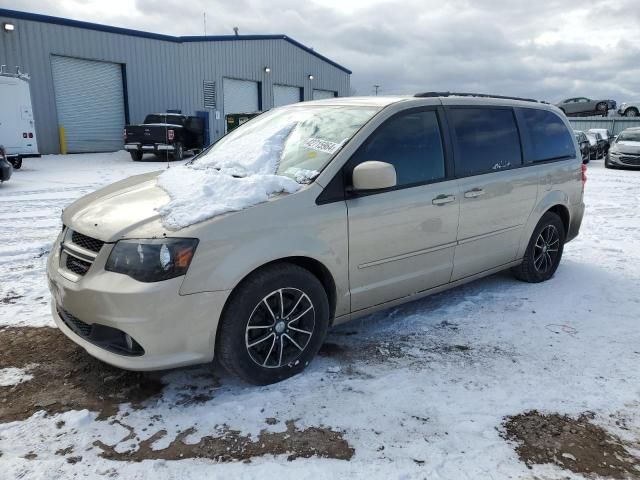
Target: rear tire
(16, 163)
(631, 112)
(283, 301)
(178, 151)
(544, 252)
(602, 108)
(136, 155)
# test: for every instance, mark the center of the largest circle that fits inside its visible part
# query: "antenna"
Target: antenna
(204, 18)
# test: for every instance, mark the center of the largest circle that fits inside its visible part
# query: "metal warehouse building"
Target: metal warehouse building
(93, 79)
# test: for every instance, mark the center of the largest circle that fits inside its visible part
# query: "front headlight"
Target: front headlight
(152, 260)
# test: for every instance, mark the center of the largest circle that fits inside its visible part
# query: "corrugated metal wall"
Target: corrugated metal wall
(614, 124)
(160, 74)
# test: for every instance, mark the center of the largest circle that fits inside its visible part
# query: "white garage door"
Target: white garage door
(322, 94)
(285, 95)
(90, 103)
(240, 96)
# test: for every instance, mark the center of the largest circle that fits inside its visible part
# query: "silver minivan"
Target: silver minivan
(311, 215)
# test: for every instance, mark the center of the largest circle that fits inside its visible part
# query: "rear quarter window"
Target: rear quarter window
(545, 136)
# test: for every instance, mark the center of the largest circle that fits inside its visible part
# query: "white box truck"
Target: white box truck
(17, 126)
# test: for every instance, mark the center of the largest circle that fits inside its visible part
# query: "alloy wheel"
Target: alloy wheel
(280, 328)
(545, 252)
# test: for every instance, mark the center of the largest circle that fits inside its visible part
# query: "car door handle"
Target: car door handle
(443, 199)
(474, 193)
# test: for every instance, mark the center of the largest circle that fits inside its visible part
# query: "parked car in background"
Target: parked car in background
(6, 169)
(17, 126)
(583, 106)
(585, 145)
(629, 109)
(597, 145)
(605, 134)
(625, 150)
(169, 134)
(260, 285)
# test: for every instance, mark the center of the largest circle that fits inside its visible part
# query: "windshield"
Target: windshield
(156, 118)
(297, 142)
(629, 137)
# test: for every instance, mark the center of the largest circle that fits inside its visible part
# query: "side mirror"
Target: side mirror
(374, 175)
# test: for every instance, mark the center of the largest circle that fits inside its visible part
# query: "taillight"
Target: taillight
(584, 174)
(30, 134)
(124, 133)
(170, 134)
(24, 134)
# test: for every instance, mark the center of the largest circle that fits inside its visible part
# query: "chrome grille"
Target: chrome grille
(77, 265)
(84, 241)
(77, 254)
(630, 160)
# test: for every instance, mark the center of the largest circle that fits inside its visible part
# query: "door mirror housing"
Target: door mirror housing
(374, 175)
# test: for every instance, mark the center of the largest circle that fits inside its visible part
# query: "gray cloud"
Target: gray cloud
(548, 49)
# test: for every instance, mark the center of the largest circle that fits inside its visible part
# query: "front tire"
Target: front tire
(273, 325)
(136, 155)
(631, 112)
(544, 252)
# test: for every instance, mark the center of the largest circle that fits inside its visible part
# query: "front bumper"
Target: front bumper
(172, 329)
(624, 160)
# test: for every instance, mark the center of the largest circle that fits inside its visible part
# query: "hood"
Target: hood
(125, 208)
(627, 147)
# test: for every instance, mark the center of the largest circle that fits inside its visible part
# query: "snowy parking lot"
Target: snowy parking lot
(496, 379)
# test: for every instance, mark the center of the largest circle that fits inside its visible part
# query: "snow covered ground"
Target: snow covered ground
(419, 391)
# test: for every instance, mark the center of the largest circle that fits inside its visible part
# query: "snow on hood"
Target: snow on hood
(172, 125)
(234, 175)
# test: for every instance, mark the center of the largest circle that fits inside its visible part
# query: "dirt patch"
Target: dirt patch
(65, 377)
(231, 446)
(575, 444)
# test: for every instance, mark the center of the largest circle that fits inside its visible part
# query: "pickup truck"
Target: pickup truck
(166, 134)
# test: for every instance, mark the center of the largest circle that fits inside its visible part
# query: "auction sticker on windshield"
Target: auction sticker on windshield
(324, 146)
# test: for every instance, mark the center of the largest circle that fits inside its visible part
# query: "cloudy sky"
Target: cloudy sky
(547, 49)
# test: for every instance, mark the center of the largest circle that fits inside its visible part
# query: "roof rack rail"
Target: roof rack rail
(481, 95)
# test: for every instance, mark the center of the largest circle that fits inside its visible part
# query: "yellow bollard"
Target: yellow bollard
(63, 141)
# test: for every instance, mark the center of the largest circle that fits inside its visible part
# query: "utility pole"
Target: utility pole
(204, 18)
(376, 87)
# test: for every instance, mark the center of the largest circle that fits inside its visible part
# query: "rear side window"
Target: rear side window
(546, 136)
(487, 140)
(411, 142)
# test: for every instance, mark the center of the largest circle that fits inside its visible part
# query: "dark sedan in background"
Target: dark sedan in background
(583, 106)
(598, 145)
(585, 145)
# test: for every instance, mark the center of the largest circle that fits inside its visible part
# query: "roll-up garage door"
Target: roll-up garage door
(285, 95)
(90, 103)
(240, 96)
(322, 94)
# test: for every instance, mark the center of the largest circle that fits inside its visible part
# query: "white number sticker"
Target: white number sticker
(324, 146)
